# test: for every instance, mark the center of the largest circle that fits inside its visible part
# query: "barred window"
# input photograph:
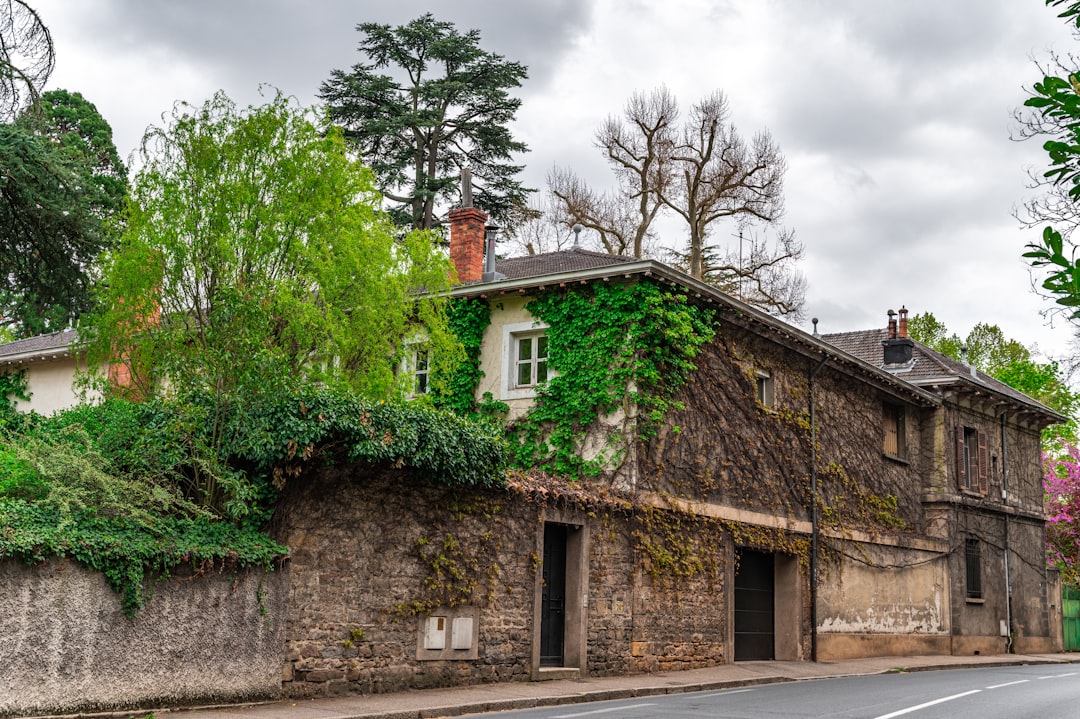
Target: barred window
(973, 569)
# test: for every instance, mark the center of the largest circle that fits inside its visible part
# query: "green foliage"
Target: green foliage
(256, 260)
(626, 347)
(13, 386)
(1055, 102)
(61, 187)
(74, 123)
(1008, 361)
(468, 318)
(445, 105)
(134, 489)
(125, 550)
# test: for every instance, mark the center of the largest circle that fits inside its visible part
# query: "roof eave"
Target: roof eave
(1034, 406)
(21, 358)
(701, 290)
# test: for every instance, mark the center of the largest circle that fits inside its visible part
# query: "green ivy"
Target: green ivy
(628, 347)
(127, 552)
(467, 319)
(13, 386)
(134, 489)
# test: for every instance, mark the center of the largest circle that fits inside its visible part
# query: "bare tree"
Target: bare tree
(718, 176)
(536, 229)
(638, 147)
(702, 171)
(759, 270)
(26, 56)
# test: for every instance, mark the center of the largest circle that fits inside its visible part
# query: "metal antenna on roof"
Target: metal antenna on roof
(577, 228)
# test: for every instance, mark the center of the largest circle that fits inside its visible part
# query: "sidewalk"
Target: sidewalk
(431, 703)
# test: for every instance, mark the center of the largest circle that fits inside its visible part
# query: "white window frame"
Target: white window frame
(511, 333)
(764, 389)
(413, 345)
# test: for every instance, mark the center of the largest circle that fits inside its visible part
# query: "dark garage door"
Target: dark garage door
(754, 589)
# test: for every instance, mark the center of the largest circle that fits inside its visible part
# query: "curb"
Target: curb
(455, 710)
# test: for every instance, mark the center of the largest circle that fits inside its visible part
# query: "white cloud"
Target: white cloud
(894, 114)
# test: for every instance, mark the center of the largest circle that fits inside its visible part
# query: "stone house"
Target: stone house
(701, 541)
(802, 497)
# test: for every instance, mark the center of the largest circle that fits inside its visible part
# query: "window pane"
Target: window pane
(421, 360)
(541, 371)
(524, 374)
(525, 349)
(541, 347)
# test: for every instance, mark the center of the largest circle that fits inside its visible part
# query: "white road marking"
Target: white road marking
(722, 692)
(1058, 676)
(927, 704)
(602, 711)
(1008, 684)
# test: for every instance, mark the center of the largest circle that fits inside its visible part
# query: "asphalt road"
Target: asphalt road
(1016, 692)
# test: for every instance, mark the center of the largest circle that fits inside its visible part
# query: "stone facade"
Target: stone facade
(376, 553)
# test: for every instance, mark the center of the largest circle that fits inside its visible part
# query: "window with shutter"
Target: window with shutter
(984, 464)
(895, 436)
(972, 460)
(961, 459)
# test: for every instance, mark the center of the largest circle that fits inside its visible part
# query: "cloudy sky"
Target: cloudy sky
(894, 115)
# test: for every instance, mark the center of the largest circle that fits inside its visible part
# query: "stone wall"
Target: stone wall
(375, 553)
(68, 647)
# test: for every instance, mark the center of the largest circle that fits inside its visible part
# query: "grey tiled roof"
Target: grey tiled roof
(928, 366)
(41, 344)
(552, 263)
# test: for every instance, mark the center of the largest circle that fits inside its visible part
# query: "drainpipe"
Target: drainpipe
(1005, 500)
(814, 534)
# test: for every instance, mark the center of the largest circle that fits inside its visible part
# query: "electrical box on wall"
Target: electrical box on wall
(435, 633)
(462, 633)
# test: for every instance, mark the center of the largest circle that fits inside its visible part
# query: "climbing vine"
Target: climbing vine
(459, 569)
(625, 348)
(13, 386)
(467, 319)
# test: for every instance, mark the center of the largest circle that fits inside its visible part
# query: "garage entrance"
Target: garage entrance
(755, 606)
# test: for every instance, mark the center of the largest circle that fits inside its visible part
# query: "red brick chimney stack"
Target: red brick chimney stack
(903, 323)
(467, 235)
(892, 325)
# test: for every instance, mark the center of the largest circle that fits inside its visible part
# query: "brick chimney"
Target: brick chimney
(467, 235)
(467, 243)
(898, 346)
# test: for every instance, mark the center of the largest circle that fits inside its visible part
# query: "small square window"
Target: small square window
(525, 361)
(530, 360)
(765, 395)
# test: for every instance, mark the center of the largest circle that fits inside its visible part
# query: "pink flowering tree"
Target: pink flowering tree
(1062, 485)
